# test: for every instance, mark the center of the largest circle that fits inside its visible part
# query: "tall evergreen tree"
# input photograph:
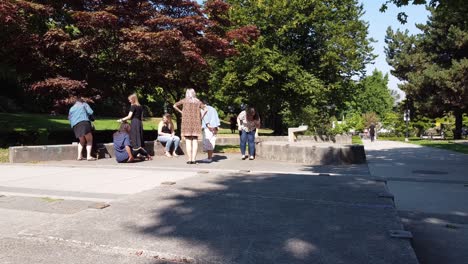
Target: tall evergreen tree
(434, 64)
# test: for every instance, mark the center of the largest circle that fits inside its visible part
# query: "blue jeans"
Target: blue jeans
(247, 137)
(169, 140)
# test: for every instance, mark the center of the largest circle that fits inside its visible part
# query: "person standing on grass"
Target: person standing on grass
(122, 147)
(191, 120)
(210, 124)
(167, 135)
(136, 116)
(80, 122)
(248, 122)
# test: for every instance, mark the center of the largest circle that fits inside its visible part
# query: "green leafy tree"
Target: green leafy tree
(375, 95)
(303, 63)
(434, 64)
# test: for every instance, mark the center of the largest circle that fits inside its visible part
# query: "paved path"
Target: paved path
(230, 211)
(431, 193)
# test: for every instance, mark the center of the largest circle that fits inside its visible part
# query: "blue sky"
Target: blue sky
(378, 24)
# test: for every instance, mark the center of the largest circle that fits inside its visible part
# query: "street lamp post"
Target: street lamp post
(406, 117)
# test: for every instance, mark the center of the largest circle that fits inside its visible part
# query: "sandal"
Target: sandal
(80, 158)
(91, 159)
(149, 158)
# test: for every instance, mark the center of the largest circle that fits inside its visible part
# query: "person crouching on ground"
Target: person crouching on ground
(210, 124)
(167, 135)
(123, 150)
(79, 120)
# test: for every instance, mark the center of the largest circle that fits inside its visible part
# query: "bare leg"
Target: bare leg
(188, 148)
(210, 154)
(81, 145)
(89, 145)
(194, 148)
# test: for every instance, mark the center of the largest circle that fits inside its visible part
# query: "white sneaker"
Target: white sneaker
(207, 160)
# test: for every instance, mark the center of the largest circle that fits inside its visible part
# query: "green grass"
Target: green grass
(356, 140)
(24, 122)
(227, 149)
(441, 144)
(51, 200)
(3, 155)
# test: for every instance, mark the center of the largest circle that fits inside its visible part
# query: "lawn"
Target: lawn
(24, 122)
(3, 155)
(441, 144)
(356, 140)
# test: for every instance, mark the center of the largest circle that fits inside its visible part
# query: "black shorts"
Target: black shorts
(82, 128)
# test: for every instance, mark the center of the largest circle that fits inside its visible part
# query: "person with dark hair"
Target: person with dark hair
(372, 132)
(233, 123)
(122, 147)
(191, 120)
(136, 116)
(248, 122)
(167, 135)
(79, 116)
(210, 124)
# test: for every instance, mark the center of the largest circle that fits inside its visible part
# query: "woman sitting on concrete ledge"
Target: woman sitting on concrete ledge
(123, 150)
(167, 135)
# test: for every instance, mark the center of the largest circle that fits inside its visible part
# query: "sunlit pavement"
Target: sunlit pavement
(165, 211)
(431, 195)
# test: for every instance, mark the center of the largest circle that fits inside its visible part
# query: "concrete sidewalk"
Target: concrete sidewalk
(431, 194)
(165, 211)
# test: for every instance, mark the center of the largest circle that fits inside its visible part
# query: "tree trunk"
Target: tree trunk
(277, 124)
(457, 134)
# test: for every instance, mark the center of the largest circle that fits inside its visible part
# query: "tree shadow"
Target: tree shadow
(271, 218)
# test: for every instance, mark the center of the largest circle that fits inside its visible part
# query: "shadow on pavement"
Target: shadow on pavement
(270, 218)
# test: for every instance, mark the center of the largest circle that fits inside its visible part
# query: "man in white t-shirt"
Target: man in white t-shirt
(210, 124)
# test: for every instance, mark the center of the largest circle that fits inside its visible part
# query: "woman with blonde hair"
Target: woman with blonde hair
(167, 135)
(191, 123)
(136, 116)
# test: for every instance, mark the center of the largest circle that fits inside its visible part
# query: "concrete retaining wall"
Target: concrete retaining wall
(305, 151)
(312, 154)
(340, 139)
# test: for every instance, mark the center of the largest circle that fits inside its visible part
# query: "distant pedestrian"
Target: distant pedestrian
(191, 120)
(233, 123)
(210, 125)
(136, 116)
(372, 132)
(167, 135)
(79, 116)
(124, 151)
(248, 122)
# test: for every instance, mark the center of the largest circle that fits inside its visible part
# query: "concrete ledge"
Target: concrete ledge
(339, 139)
(306, 150)
(62, 152)
(320, 154)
